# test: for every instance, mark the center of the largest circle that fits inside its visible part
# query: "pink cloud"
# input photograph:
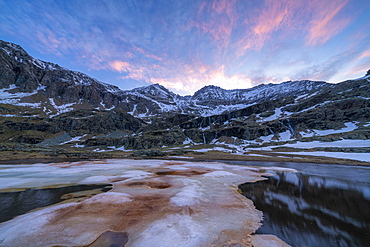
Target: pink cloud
(193, 81)
(192, 78)
(52, 43)
(155, 57)
(129, 54)
(221, 20)
(359, 70)
(120, 66)
(325, 22)
(135, 72)
(317, 20)
(365, 54)
(223, 6)
(271, 17)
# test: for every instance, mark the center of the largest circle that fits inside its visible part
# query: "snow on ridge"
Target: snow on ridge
(11, 45)
(361, 78)
(153, 90)
(38, 63)
(238, 98)
(110, 88)
(81, 78)
(8, 52)
(257, 93)
(291, 87)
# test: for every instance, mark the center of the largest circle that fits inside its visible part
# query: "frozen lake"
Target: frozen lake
(182, 203)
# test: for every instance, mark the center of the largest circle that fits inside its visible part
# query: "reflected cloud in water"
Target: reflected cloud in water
(312, 210)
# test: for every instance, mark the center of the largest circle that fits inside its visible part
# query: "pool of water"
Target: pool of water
(20, 202)
(320, 205)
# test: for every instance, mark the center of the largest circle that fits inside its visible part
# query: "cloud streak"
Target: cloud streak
(325, 23)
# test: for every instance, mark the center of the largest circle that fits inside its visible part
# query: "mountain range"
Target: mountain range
(45, 105)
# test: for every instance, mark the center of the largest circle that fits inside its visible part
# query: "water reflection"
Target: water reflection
(17, 203)
(309, 210)
(111, 239)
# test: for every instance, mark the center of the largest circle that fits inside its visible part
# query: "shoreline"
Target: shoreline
(258, 156)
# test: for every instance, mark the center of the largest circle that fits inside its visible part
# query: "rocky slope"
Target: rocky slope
(44, 104)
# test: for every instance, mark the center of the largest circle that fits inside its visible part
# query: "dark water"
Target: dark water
(16, 203)
(111, 239)
(323, 205)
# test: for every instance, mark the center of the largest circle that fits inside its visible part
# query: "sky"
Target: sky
(185, 45)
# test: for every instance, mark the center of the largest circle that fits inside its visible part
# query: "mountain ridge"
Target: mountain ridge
(30, 75)
(45, 105)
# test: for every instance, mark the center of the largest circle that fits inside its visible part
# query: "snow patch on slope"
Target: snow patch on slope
(350, 126)
(61, 108)
(6, 97)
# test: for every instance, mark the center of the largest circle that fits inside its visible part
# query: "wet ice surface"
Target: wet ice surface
(152, 203)
(20, 202)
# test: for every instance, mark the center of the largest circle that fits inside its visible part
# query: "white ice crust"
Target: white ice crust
(192, 215)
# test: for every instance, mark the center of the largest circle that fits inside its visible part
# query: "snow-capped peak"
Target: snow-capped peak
(155, 90)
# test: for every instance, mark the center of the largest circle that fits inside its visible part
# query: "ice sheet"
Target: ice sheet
(155, 209)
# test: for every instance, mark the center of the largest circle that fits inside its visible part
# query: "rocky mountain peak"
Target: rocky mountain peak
(210, 92)
(208, 88)
(10, 47)
(15, 55)
(154, 91)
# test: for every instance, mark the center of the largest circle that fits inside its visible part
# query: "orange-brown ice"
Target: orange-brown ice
(152, 203)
